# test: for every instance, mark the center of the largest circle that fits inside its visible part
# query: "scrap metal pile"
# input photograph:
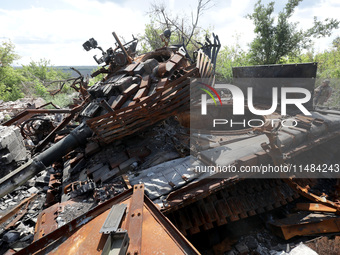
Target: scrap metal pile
(82, 189)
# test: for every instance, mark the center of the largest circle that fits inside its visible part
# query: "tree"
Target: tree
(43, 71)
(280, 38)
(37, 76)
(7, 54)
(32, 79)
(329, 63)
(183, 31)
(151, 39)
(336, 43)
(229, 57)
(9, 78)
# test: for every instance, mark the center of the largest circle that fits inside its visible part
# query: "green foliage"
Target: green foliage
(184, 29)
(7, 54)
(63, 100)
(328, 64)
(10, 80)
(280, 39)
(30, 80)
(152, 40)
(99, 77)
(43, 71)
(328, 61)
(336, 43)
(39, 75)
(229, 57)
(328, 68)
(40, 90)
(10, 94)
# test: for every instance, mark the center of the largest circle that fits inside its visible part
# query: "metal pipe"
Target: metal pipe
(22, 174)
(19, 176)
(122, 48)
(76, 138)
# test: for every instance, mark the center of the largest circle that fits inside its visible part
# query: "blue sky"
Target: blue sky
(56, 29)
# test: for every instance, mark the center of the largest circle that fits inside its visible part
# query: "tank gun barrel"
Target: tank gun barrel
(25, 172)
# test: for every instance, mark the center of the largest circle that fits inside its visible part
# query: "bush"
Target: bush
(62, 100)
(10, 94)
(229, 57)
(99, 77)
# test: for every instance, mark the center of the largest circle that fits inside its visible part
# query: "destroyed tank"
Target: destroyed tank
(139, 92)
(136, 92)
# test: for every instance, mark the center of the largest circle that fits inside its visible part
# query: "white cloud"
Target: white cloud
(41, 32)
(57, 33)
(230, 23)
(322, 10)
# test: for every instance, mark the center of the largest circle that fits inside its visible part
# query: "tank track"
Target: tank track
(234, 202)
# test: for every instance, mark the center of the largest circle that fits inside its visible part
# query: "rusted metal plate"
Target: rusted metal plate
(130, 67)
(118, 102)
(135, 220)
(47, 220)
(176, 58)
(303, 189)
(50, 236)
(131, 90)
(161, 84)
(85, 240)
(82, 235)
(170, 66)
(314, 207)
(158, 227)
(301, 224)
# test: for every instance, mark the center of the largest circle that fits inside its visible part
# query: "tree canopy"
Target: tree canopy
(277, 38)
(30, 80)
(184, 29)
(7, 53)
(8, 77)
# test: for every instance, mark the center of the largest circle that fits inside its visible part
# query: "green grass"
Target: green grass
(334, 100)
(62, 100)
